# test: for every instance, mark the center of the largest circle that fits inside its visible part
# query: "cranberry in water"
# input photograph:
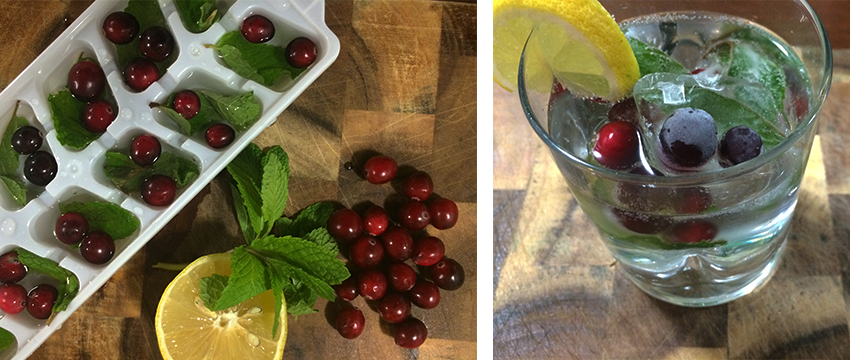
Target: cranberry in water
(159, 190)
(641, 223)
(13, 298)
(257, 29)
(366, 252)
(145, 149)
(350, 322)
(625, 110)
(694, 231)
(398, 244)
(371, 284)
(414, 215)
(347, 290)
(40, 301)
(11, 269)
(410, 334)
(394, 307)
(617, 145)
(418, 186)
(97, 248)
(345, 225)
(401, 276)
(120, 27)
(375, 220)
(688, 138)
(27, 140)
(156, 43)
(447, 274)
(140, 73)
(219, 135)
(428, 251)
(380, 169)
(40, 168)
(740, 144)
(301, 52)
(98, 115)
(691, 200)
(71, 228)
(187, 103)
(424, 294)
(443, 213)
(86, 80)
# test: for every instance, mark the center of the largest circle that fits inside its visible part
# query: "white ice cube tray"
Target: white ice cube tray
(80, 174)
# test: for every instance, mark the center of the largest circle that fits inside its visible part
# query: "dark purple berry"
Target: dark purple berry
(688, 138)
(740, 144)
(301, 52)
(625, 110)
(40, 301)
(71, 228)
(120, 27)
(617, 145)
(140, 73)
(219, 135)
(428, 251)
(156, 43)
(257, 29)
(40, 168)
(371, 284)
(86, 80)
(27, 140)
(347, 290)
(97, 248)
(447, 274)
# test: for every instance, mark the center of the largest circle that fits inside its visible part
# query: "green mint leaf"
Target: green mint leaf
(16, 188)
(278, 281)
(184, 125)
(66, 112)
(206, 115)
(148, 14)
(262, 63)
(197, 15)
(211, 289)
(312, 217)
(112, 219)
(275, 186)
(299, 299)
(322, 237)
(242, 215)
(6, 339)
(240, 110)
(652, 60)
(247, 171)
(128, 176)
(312, 258)
(9, 158)
(69, 284)
(286, 269)
(750, 64)
(249, 278)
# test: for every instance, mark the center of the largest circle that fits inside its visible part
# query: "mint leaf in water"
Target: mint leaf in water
(9, 158)
(148, 14)
(652, 60)
(249, 278)
(197, 15)
(262, 63)
(750, 64)
(69, 285)
(6, 339)
(66, 110)
(206, 115)
(128, 176)
(211, 288)
(112, 219)
(16, 188)
(240, 110)
(312, 217)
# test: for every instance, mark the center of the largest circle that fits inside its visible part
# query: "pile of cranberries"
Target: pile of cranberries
(96, 247)
(300, 52)
(87, 83)
(158, 189)
(382, 253)
(14, 297)
(156, 44)
(40, 166)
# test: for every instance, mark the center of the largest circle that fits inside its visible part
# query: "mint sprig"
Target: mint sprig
(6, 339)
(298, 262)
(197, 15)
(9, 160)
(69, 284)
(112, 219)
(262, 63)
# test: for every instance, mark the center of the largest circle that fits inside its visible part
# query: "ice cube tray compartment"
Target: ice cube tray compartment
(80, 176)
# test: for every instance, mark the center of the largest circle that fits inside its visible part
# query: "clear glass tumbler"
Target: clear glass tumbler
(743, 211)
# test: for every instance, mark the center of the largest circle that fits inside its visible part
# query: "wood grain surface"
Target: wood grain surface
(558, 293)
(403, 85)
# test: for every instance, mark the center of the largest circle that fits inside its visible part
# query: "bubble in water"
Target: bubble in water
(255, 310)
(7, 227)
(195, 50)
(138, 211)
(35, 102)
(254, 340)
(126, 113)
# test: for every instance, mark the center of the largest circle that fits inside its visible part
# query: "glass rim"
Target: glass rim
(819, 96)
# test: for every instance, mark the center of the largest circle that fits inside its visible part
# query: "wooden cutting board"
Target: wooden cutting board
(403, 85)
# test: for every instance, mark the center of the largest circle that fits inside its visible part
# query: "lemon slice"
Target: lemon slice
(187, 330)
(577, 41)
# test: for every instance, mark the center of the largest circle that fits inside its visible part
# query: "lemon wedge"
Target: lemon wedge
(187, 330)
(576, 41)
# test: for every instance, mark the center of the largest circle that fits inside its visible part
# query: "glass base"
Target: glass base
(685, 289)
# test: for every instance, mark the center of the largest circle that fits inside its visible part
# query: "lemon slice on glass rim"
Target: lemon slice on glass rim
(187, 330)
(576, 41)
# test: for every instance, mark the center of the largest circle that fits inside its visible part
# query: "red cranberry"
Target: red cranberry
(617, 145)
(98, 115)
(410, 334)
(401, 276)
(301, 52)
(86, 80)
(380, 169)
(414, 215)
(40, 301)
(13, 298)
(625, 110)
(11, 269)
(371, 284)
(394, 307)
(350, 322)
(219, 135)
(691, 200)
(694, 231)
(347, 290)
(375, 220)
(366, 252)
(418, 186)
(641, 223)
(398, 244)
(425, 294)
(257, 29)
(97, 248)
(159, 190)
(187, 103)
(428, 251)
(71, 228)
(156, 43)
(447, 274)
(140, 73)
(443, 213)
(345, 225)
(120, 27)
(145, 150)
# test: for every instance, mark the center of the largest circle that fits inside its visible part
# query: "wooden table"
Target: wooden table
(557, 294)
(403, 85)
